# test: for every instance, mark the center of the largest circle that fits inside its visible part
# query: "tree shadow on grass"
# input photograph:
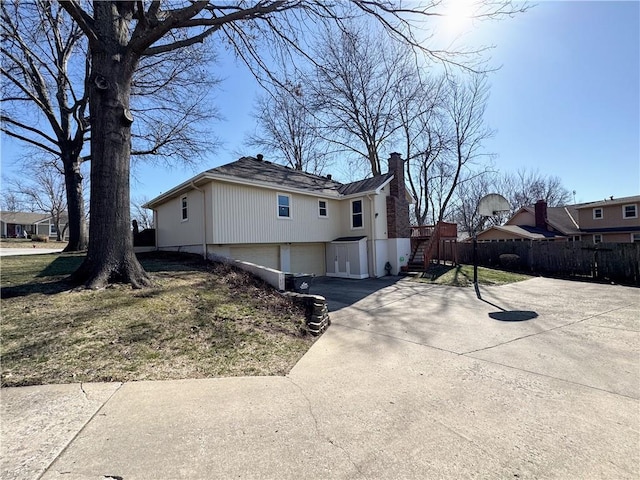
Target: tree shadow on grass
(58, 270)
(45, 288)
(62, 265)
(65, 264)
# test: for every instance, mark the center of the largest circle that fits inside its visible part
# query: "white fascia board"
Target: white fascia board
(47, 219)
(175, 191)
(379, 189)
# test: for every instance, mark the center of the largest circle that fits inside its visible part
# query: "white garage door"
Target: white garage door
(308, 258)
(264, 255)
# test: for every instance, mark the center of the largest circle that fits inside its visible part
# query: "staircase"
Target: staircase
(425, 240)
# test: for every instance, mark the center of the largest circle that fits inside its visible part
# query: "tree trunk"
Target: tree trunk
(110, 257)
(77, 222)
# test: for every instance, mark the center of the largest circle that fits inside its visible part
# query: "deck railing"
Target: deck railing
(445, 230)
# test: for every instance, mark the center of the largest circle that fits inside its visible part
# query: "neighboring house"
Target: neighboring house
(613, 220)
(607, 221)
(15, 224)
(256, 211)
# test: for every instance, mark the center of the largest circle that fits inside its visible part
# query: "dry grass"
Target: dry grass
(462, 276)
(28, 243)
(199, 320)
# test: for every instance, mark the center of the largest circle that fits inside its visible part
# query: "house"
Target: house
(256, 211)
(613, 220)
(15, 224)
(607, 221)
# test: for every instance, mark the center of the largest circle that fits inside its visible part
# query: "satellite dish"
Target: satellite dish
(492, 204)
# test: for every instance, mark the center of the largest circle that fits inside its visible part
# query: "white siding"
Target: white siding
(244, 214)
(380, 203)
(172, 230)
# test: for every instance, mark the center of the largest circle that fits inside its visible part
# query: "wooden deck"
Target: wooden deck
(429, 242)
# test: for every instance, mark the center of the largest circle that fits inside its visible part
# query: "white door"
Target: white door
(263, 255)
(308, 258)
(342, 260)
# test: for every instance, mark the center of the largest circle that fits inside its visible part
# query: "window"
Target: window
(284, 205)
(185, 211)
(322, 209)
(598, 213)
(597, 238)
(53, 230)
(356, 214)
(630, 211)
(635, 237)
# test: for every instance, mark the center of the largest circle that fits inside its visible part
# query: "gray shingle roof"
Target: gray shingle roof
(23, 218)
(263, 171)
(366, 185)
(561, 218)
(612, 201)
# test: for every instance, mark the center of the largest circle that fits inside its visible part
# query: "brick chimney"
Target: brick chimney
(398, 225)
(541, 214)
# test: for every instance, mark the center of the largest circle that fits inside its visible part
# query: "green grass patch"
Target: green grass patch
(462, 276)
(198, 320)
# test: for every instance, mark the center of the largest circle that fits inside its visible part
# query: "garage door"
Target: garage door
(264, 255)
(308, 258)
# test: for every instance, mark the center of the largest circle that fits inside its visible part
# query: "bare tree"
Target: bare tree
(46, 67)
(423, 132)
(288, 129)
(10, 201)
(522, 188)
(44, 100)
(470, 190)
(143, 216)
(43, 190)
(464, 108)
(355, 88)
(120, 33)
(525, 187)
(170, 99)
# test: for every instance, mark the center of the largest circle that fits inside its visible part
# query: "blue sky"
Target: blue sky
(566, 101)
(567, 98)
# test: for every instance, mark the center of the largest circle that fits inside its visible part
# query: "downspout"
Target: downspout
(204, 219)
(155, 228)
(373, 236)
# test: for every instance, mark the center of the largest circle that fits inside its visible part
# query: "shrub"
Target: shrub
(39, 238)
(510, 261)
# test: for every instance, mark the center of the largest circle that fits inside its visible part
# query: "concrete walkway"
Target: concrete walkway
(540, 379)
(6, 252)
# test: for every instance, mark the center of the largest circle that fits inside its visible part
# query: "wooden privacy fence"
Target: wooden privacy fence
(615, 261)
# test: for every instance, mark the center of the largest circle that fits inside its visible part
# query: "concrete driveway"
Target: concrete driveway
(540, 379)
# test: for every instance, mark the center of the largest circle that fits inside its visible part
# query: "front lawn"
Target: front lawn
(198, 320)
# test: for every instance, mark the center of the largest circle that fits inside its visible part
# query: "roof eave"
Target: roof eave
(175, 191)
